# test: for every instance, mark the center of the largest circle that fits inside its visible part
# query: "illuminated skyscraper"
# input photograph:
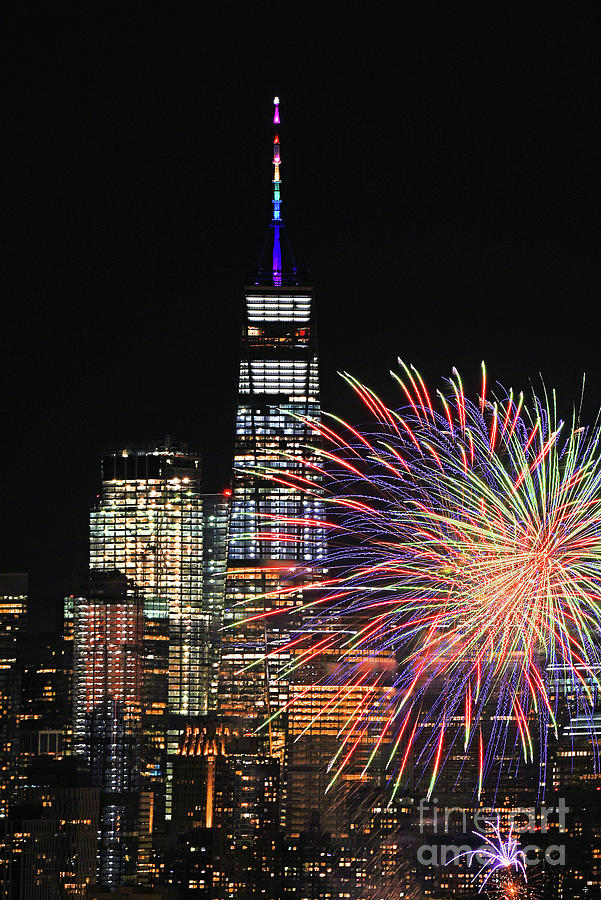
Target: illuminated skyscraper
(278, 395)
(107, 700)
(107, 660)
(148, 525)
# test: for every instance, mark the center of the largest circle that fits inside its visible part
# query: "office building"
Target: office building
(49, 840)
(274, 545)
(107, 714)
(148, 525)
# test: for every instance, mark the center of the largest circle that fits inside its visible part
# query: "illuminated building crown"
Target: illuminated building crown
(277, 267)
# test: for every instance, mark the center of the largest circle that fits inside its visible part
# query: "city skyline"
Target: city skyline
(168, 472)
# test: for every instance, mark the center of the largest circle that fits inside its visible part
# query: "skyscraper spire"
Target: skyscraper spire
(277, 266)
(277, 200)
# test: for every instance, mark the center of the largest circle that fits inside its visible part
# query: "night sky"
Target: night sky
(440, 180)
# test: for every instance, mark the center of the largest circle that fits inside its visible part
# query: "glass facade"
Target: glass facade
(107, 625)
(107, 698)
(216, 523)
(271, 534)
(148, 525)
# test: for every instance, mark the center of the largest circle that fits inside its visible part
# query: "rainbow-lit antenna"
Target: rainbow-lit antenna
(281, 268)
(277, 199)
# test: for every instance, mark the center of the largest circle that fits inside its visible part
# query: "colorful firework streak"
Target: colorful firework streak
(499, 855)
(468, 551)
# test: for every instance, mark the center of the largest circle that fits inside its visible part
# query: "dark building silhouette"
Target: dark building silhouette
(50, 838)
(13, 612)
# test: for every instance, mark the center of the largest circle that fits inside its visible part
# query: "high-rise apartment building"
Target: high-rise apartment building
(107, 714)
(13, 612)
(45, 708)
(272, 531)
(48, 844)
(247, 844)
(107, 662)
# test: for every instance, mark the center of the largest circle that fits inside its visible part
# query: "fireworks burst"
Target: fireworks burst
(464, 584)
(498, 855)
(511, 887)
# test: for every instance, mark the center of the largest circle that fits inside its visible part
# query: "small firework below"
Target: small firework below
(515, 886)
(498, 855)
(510, 887)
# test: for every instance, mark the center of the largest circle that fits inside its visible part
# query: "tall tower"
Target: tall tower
(148, 525)
(107, 711)
(271, 535)
(107, 661)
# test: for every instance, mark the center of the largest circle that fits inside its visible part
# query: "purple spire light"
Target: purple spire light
(277, 200)
(277, 256)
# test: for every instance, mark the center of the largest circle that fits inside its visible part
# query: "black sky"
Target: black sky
(440, 180)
